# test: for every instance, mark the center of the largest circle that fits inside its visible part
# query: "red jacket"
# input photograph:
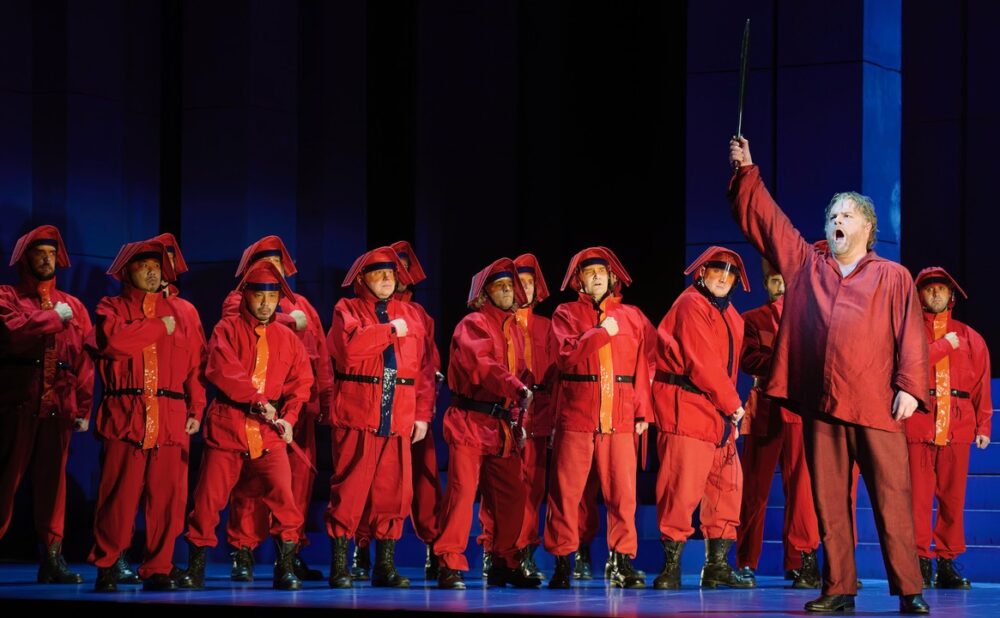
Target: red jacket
(760, 329)
(846, 344)
(969, 369)
(540, 419)
(703, 344)
(430, 368)
(25, 331)
(321, 398)
(478, 370)
(232, 353)
(577, 340)
(356, 342)
(121, 334)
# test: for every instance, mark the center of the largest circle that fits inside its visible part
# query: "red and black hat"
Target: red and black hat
(528, 263)
(500, 269)
(595, 255)
(264, 277)
(405, 252)
(41, 235)
(937, 274)
(170, 243)
(141, 250)
(720, 257)
(266, 247)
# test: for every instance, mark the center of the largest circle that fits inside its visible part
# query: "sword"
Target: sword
(296, 449)
(744, 57)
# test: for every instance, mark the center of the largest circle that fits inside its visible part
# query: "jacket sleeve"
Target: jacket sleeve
(911, 342)
(324, 366)
(573, 347)
(118, 338)
(298, 384)
(937, 350)
(83, 364)
(22, 327)
(194, 383)
(349, 338)
(643, 382)
(703, 361)
(981, 396)
(429, 364)
(755, 359)
(473, 348)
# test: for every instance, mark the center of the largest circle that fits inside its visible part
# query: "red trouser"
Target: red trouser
(939, 472)
(801, 530)
(533, 457)
(694, 472)
(573, 454)
(249, 520)
(269, 476)
(426, 495)
(44, 444)
(500, 481)
(832, 449)
(365, 464)
(128, 473)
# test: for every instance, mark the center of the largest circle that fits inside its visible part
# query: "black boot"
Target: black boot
(500, 574)
(808, 574)
(926, 571)
(748, 574)
(124, 572)
(284, 566)
(717, 570)
(159, 582)
(831, 603)
(432, 566)
(340, 571)
(181, 577)
(450, 579)
(529, 562)
(622, 574)
(947, 575)
(52, 568)
(302, 570)
(791, 574)
(107, 580)
(582, 566)
(196, 566)
(562, 575)
(385, 575)
(487, 563)
(361, 563)
(242, 570)
(913, 604)
(670, 577)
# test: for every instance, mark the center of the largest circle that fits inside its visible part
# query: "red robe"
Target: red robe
(764, 415)
(837, 333)
(31, 430)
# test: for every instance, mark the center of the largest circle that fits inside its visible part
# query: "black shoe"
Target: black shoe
(926, 571)
(450, 579)
(808, 575)
(913, 604)
(284, 566)
(361, 563)
(717, 570)
(747, 574)
(124, 572)
(432, 565)
(181, 577)
(670, 577)
(582, 566)
(829, 603)
(242, 570)
(385, 575)
(500, 575)
(302, 570)
(528, 563)
(160, 582)
(196, 566)
(340, 570)
(561, 576)
(791, 574)
(52, 568)
(947, 575)
(622, 574)
(487, 563)
(107, 580)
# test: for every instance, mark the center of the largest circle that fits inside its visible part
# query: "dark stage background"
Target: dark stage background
(482, 128)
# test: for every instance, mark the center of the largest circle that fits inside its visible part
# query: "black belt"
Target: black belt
(354, 377)
(160, 392)
(954, 393)
(31, 362)
(678, 380)
(590, 377)
(492, 408)
(246, 407)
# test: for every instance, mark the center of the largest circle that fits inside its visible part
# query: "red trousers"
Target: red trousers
(694, 472)
(533, 457)
(269, 478)
(801, 530)
(590, 515)
(42, 443)
(249, 520)
(939, 472)
(832, 450)
(573, 454)
(160, 477)
(427, 492)
(499, 478)
(365, 464)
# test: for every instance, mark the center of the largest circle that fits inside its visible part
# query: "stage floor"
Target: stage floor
(593, 598)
